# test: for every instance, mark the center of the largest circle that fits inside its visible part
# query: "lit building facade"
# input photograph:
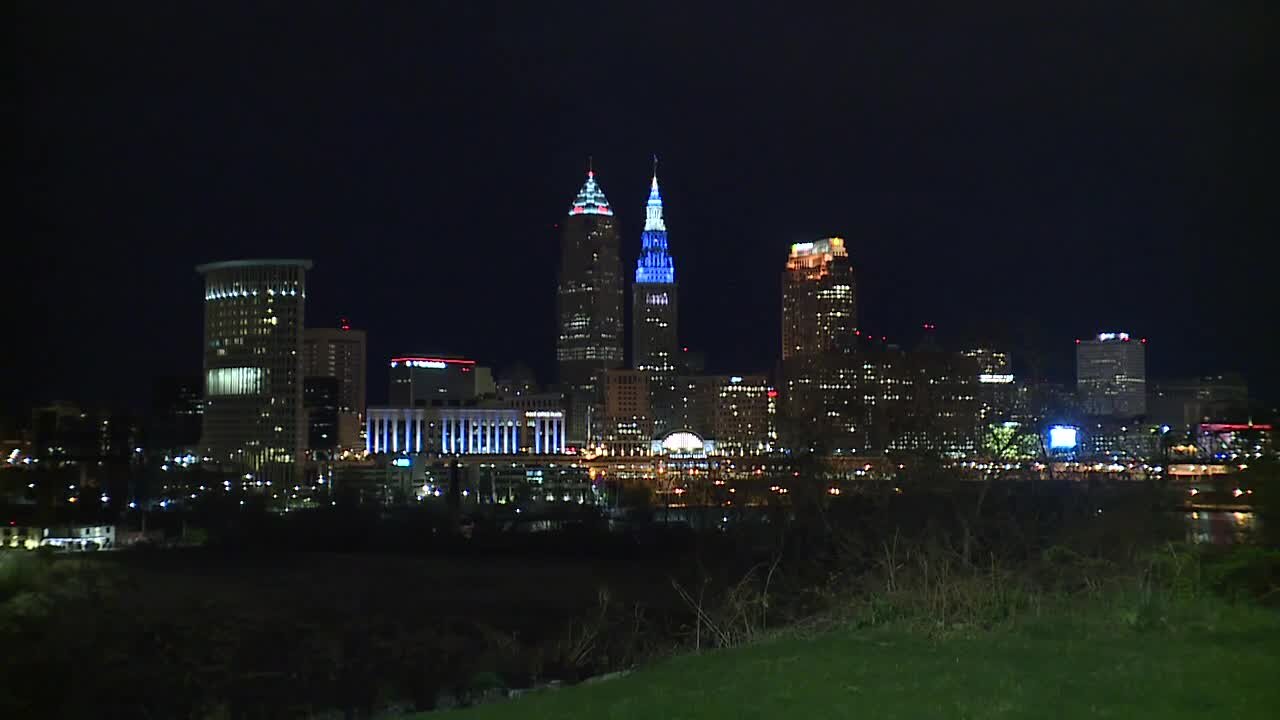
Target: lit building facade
(743, 416)
(253, 410)
(340, 353)
(883, 401)
(994, 366)
(426, 380)
(654, 311)
(997, 392)
(943, 416)
(465, 431)
(1111, 375)
(819, 308)
(1232, 442)
(736, 412)
(589, 303)
(1116, 441)
(627, 425)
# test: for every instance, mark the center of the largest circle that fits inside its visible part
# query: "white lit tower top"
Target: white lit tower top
(1111, 375)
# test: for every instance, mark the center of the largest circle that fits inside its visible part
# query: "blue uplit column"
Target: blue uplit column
(368, 434)
(562, 433)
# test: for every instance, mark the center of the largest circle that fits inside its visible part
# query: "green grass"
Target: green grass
(1197, 661)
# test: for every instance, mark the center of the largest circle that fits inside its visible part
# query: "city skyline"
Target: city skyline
(373, 360)
(988, 230)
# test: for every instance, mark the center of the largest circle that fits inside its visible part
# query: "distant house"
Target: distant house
(75, 538)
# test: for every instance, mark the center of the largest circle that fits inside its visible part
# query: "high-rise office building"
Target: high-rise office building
(627, 427)
(1111, 375)
(589, 303)
(881, 400)
(997, 393)
(654, 312)
(993, 365)
(743, 421)
(429, 380)
(819, 308)
(340, 353)
(818, 340)
(320, 400)
(253, 413)
(654, 295)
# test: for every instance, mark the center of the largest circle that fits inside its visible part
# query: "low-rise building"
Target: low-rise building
(73, 538)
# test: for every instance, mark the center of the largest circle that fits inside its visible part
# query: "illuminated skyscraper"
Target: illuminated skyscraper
(1111, 375)
(654, 310)
(253, 411)
(819, 311)
(818, 325)
(589, 303)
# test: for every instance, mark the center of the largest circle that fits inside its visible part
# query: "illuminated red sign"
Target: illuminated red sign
(429, 361)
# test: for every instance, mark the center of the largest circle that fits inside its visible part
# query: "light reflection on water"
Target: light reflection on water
(1221, 527)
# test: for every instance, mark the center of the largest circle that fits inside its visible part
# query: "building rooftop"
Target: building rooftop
(233, 264)
(591, 199)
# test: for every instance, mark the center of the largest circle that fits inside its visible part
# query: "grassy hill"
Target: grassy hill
(1207, 659)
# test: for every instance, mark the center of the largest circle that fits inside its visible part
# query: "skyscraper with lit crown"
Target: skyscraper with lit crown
(1111, 375)
(654, 309)
(589, 303)
(819, 310)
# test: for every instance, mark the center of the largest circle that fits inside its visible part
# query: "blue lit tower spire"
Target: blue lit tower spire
(654, 265)
(655, 338)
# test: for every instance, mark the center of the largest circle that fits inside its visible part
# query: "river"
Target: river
(1221, 527)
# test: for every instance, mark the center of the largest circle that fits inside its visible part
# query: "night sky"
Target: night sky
(1011, 173)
